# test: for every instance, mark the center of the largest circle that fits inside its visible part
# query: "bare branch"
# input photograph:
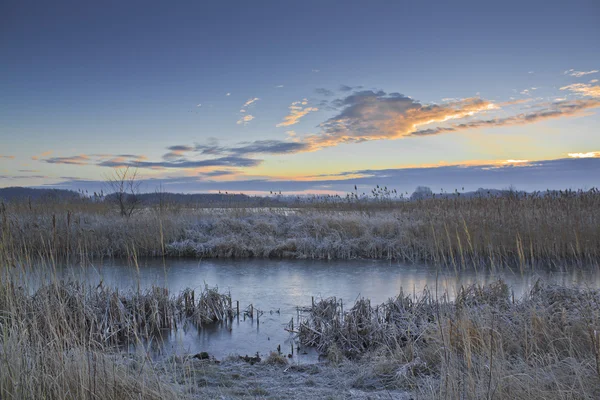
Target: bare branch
(124, 186)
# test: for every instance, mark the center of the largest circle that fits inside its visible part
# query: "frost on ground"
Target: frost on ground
(240, 380)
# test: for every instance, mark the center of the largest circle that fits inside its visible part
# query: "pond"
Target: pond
(277, 287)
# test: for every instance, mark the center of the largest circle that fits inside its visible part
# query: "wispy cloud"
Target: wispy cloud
(255, 147)
(227, 94)
(298, 109)
(181, 148)
(177, 152)
(269, 147)
(178, 157)
(186, 156)
(550, 111)
(245, 119)
(185, 163)
(527, 92)
(279, 86)
(15, 177)
(250, 101)
(115, 160)
(81, 159)
(579, 74)
(218, 172)
(584, 89)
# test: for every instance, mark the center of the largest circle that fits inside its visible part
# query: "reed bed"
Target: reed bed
(66, 340)
(78, 314)
(482, 345)
(517, 230)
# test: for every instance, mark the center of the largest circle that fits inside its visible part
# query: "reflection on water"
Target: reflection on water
(273, 285)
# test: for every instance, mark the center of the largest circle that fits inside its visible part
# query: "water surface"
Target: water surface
(278, 286)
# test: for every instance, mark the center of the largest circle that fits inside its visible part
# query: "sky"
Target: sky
(303, 97)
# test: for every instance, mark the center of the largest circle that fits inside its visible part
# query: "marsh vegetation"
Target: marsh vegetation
(513, 229)
(65, 339)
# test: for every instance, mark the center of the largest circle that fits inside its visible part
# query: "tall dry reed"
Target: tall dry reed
(483, 345)
(518, 230)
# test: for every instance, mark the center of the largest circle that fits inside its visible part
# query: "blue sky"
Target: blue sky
(335, 91)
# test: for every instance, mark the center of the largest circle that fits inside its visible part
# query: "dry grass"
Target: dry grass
(483, 345)
(516, 230)
(63, 339)
(46, 371)
(79, 315)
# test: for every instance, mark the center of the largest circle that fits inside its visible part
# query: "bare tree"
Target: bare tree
(125, 187)
(421, 192)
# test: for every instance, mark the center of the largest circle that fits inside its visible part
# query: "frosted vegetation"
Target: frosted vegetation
(65, 340)
(513, 229)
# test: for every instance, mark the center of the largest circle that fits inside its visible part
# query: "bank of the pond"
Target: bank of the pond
(234, 379)
(512, 230)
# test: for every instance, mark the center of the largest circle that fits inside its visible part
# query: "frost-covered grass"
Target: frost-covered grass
(483, 345)
(521, 230)
(64, 340)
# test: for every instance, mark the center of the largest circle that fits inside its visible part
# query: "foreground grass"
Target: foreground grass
(519, 230)
(65, 340)
(482, 345)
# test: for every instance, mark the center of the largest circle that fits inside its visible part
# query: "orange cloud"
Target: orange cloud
(245, 119)
(298, 110)
(584, 89)
(589, 154)
(372, 115)
(548, 111)
(108, 160)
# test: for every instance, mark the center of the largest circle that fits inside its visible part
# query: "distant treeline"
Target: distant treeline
(377, 195)
(207, 199)
(24, 194)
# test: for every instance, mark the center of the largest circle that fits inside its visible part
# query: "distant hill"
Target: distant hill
(23, 193)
